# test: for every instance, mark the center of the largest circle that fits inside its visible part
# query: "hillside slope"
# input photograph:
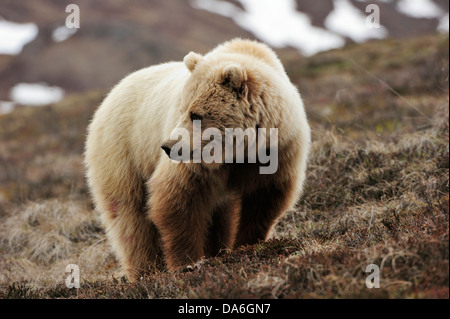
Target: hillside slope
(377, 192)
(115, 37)
(118, 36)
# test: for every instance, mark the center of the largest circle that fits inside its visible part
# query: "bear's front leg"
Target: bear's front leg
(180, 207)
(261, 209)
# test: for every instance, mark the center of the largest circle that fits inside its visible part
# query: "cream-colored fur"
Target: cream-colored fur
(153, 207)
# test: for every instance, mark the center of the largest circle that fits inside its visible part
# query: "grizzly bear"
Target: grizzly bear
(158, 210)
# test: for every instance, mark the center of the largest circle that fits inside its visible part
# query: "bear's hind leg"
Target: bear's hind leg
(135, 241)
(133, 237)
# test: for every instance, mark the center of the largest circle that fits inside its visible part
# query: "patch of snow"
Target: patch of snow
(222, 8)
(444, 24)
(62, 33)
(36, 94)
(14, 36)
(6, 107)
(349, 21)
(374, 2)
(277, 23)
(419, 9)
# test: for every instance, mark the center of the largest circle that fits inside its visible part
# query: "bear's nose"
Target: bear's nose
(166, 149)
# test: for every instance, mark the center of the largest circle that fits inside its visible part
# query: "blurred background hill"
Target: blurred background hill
(117, 37)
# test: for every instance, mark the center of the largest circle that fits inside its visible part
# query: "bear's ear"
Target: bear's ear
(191, 60)
(235, 77)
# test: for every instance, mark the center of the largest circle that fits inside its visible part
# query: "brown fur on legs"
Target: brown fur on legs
(260, 210)
(181, 212)
(136, 242)
(133, 236)
(223, 227)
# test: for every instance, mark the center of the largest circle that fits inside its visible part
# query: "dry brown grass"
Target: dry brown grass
(377, 192)
(41, 238)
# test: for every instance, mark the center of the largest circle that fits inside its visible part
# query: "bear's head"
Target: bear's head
(220, 95)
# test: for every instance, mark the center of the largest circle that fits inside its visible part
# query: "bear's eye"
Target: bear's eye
(195, 116)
